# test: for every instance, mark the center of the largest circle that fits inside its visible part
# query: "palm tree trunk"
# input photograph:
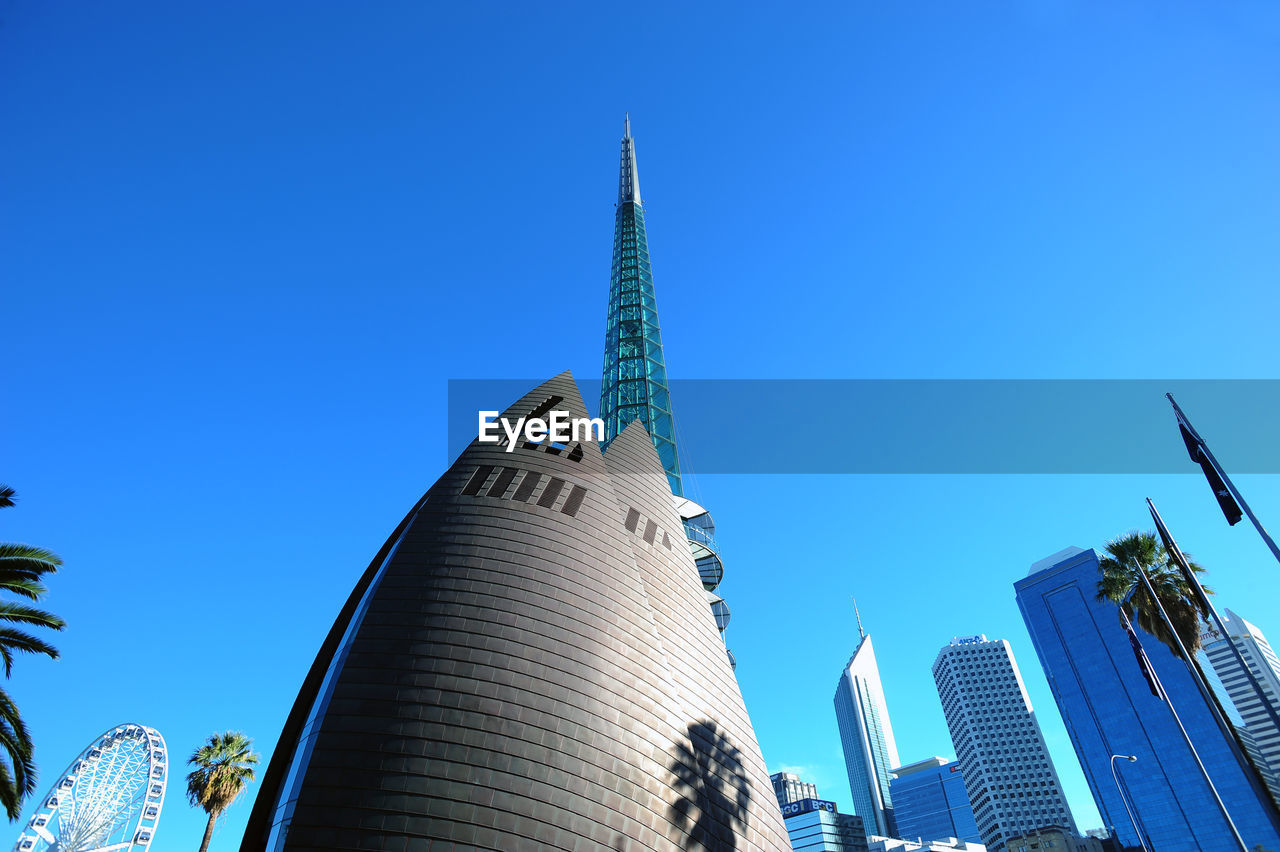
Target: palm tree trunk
(208, 833)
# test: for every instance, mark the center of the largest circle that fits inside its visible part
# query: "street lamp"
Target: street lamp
(1132, 758)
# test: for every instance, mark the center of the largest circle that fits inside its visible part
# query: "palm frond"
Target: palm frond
(23, 614)
(21, 568)
(27, 558)
(1120, 581)
(27, 588)
(18, 640)
(223, 767)
(10, 793)
(18, 776)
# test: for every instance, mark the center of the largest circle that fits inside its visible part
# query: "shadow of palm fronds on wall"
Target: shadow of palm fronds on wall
(712, 787)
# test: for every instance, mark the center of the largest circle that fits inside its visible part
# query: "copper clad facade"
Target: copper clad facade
(528, 664)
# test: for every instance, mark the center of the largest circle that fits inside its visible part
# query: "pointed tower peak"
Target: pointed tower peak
(628, 177)
(635, 374)
(862, 634)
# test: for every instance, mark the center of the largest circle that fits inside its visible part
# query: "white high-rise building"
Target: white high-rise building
(1008, 774)
(867, 737)
(1261, 659)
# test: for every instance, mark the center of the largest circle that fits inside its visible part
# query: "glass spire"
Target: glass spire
(635, 375)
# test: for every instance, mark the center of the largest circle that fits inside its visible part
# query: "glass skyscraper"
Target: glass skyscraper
(635, 372)
(867, 738)
(931, 803)
(1012, 784)
(1109, 709)
(815, 825)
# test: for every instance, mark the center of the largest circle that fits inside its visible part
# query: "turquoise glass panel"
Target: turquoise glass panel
(635, 375)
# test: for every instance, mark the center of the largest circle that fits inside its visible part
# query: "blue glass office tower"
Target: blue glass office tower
(930, 802)
(815, 825)
(1110, 710)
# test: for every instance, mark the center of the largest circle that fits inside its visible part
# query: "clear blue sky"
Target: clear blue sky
(245, 248)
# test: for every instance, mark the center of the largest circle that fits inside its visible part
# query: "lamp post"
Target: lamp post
(1132, 758)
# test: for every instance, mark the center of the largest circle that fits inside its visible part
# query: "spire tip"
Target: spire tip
(628, 181)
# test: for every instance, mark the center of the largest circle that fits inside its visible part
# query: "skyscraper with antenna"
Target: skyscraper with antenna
(635, 372)
(870, 751)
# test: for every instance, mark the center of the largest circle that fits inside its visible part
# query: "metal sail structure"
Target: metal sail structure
(635, 372)
(527, 663)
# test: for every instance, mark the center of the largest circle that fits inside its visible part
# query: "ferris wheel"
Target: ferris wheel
(109, 798)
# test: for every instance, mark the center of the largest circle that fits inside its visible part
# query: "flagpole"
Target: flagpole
(1169, 701)
(1235, 492)
(1180, 560)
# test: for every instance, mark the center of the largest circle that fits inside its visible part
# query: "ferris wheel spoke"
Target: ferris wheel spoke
(100, 802)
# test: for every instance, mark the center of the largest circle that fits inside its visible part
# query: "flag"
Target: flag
(1144, 662)
(1197, 450)
(1180, 559)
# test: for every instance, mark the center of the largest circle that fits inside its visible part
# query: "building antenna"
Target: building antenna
(861, 633)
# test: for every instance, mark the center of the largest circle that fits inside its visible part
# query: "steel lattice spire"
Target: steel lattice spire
(635, 374)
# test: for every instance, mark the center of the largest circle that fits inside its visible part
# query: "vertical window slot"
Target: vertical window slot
(477, 480)
(527, 485)
(574, 501)
(552, 491)
(499, 487)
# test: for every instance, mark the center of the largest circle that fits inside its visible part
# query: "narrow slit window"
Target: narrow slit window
(574, 501)
(551, 492)
(527, 485)
(477, 480)
(503, 481)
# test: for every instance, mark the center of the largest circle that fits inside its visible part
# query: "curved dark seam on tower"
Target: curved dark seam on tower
(282, 755)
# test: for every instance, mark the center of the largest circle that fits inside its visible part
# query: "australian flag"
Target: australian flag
(1144, 662)
(1196, 449)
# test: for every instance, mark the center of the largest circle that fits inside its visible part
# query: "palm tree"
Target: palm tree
(21, 569)
(1122, 583)
(223, 766)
